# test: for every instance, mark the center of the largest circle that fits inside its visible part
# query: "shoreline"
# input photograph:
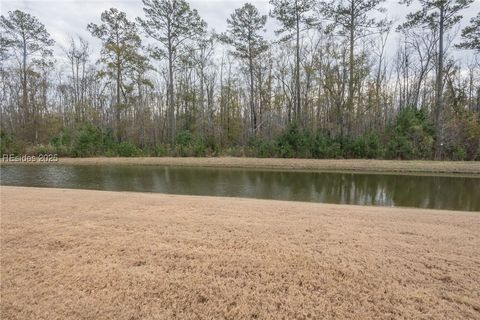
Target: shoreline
(335, 165)
(139, 255)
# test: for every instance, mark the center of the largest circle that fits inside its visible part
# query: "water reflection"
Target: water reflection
(460, 193)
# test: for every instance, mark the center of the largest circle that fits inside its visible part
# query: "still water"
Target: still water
(440, 192)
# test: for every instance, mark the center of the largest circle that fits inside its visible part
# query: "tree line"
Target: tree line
(324, 87)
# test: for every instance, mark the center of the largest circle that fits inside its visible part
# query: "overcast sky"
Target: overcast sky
(66, 18)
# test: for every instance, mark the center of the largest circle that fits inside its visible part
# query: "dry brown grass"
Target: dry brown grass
(72, 254)
(451, 167)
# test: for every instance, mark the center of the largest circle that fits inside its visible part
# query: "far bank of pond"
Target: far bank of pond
(392, 166)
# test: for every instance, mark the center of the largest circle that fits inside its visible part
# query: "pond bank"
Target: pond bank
(73, 254)
(361, 165)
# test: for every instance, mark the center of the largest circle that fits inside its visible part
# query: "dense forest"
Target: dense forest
(323, 86)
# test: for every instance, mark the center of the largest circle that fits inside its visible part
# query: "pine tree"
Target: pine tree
(120, 51)
(244, 26)
(438, 16)
(352, 20)
(172, 23)
(294, 17)
(471, 35)
(26, 36)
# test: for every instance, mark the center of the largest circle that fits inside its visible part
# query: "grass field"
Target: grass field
(77, 254)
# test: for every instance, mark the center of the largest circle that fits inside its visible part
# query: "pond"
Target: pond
(439, 192)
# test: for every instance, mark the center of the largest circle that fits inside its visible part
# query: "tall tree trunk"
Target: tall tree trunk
(439, 87)
(222, 107)
(351, 65)
(252, 98)
(171, 98)
(117, 107)
(297, 67)
(202, 100)
(25, 114)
